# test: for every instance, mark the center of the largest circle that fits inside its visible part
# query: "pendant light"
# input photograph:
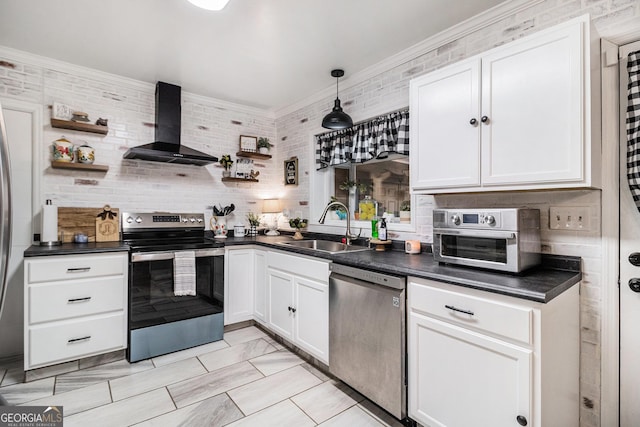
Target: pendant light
(337, 119)
(210, 4)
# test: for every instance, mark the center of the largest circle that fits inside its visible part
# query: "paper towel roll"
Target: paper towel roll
(49, 234)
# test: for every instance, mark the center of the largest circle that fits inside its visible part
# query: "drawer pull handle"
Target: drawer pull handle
(78, 270)
(77, 340)
(459, 310)
(84, 299)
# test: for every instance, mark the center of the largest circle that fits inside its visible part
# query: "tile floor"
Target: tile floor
(247, 379)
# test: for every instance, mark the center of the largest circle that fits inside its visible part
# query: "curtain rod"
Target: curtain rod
(399, 110)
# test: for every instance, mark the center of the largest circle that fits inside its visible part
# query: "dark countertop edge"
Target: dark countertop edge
(75, 249)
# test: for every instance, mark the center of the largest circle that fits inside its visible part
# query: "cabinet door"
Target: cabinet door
(445, 145)
(280, 301)
(311, 318)
(239, 283)
(462, 378)
(260, 287)
(533, 96)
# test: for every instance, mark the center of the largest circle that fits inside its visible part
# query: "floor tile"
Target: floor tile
(379, 414)
(77, 400)
(275, 362)
(131, 385)
(353, 416)
(102, 359)
(216, 382)
(98, 374)
(274, 343)
(24, 392)
(243, 335)
(125, 412)
(14, 375)
(51, 371)
(315, 371)
(323, 401)
(235, 354)
(215, 411)
(260, 394)
(284, 413)
(188, 353)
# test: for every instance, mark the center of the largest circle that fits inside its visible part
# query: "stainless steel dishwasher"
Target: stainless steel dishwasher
(367, 339)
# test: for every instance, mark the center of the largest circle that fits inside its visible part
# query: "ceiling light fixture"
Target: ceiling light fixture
(210, 4)
(337, 119)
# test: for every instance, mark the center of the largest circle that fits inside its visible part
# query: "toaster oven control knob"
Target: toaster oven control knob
(129, 220)
(138, 219)
(199, 220)
(185, 220)
(192, 219)
(455, 219)
(490, 220)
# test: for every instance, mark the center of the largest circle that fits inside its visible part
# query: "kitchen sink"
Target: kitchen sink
(325, 246)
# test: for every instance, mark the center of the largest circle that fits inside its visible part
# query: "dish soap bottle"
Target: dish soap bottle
(382, 229)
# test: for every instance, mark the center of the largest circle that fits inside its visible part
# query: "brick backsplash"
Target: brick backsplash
(214, 127)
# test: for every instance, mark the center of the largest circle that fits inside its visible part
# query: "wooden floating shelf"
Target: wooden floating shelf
(229, 179)
(81, 126)
(79, 166)
(252, 155)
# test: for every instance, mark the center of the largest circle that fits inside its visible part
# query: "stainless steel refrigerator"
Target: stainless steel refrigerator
(5, 217)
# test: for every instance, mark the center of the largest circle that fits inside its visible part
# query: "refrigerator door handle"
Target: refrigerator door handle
(5, 211)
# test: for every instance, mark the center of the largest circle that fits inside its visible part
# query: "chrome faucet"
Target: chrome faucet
(349, 237)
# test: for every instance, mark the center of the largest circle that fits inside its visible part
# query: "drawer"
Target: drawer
(47, 269)
(299, 265)
(496, 317)
(63, 341)
(65, 300)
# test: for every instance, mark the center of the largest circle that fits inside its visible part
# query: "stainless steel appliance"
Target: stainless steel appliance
(159, 321)
(5, 217)
(367, 336)
(497, 239)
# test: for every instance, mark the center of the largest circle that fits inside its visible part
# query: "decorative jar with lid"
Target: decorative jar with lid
(62, 150)
(368, 208)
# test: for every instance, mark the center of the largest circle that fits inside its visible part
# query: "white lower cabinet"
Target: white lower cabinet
(260, 286)
(298, 301)
(239, 282)
(476, 358)
(74, 307)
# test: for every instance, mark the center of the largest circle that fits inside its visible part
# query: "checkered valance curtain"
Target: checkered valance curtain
(372, 139)
(633, 126)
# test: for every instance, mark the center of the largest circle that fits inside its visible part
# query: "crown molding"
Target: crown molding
(488, 17)
(94, 74)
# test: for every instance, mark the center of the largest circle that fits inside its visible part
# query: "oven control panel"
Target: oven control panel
(467, 218)
(134, 220)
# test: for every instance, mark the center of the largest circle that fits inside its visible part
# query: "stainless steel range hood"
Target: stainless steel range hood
(167, 148)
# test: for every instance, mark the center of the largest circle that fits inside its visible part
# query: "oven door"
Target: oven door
(496, 250)
(151, 288)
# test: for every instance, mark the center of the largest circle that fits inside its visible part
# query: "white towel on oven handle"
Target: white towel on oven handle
(184, 273)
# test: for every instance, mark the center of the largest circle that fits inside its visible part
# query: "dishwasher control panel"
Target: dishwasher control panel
(396, 282)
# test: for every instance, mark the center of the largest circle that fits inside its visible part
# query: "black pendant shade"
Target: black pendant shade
(337, 119)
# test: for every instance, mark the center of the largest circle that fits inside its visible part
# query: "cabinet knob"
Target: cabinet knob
(289, 308)
(634, 259)
(484, 119)
(473, 122)
(521, 420)
(293, 310)
(634, 284)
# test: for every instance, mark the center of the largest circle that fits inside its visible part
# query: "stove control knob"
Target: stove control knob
(192, 219)
(455, 219)
(199, 220)
(138, 219)
(490, 220)
(185, 220)
(129, 220)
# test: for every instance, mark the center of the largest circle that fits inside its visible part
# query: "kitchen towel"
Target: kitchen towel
(184, 273)
(633, 126)
(49, 231)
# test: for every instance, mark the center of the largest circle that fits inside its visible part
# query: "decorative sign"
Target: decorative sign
(291, 171)
(248, 143)
(61, 111)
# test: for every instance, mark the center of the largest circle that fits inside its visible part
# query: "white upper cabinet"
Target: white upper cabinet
(521, 116)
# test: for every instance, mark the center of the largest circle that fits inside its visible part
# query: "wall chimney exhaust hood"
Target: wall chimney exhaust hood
(167, 148)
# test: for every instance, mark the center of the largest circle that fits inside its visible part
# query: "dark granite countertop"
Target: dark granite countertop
(541, 284)
(75, 249)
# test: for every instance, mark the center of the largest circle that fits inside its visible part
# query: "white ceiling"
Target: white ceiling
(261, 53)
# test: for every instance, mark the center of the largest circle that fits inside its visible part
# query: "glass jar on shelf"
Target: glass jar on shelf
(368, 208)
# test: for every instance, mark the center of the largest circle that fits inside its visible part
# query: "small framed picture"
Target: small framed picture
(248, 143)
(291, 171)
(61, 111)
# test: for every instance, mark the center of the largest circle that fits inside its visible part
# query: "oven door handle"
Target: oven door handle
(489, 234)
(159, 256)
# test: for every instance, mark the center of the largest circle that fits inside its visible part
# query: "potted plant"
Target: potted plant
(254, 222)
(226, 162)
(405, 211)
(264, 145)
(298, 223)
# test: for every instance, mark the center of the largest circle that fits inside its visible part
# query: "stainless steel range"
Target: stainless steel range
(176, 283)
